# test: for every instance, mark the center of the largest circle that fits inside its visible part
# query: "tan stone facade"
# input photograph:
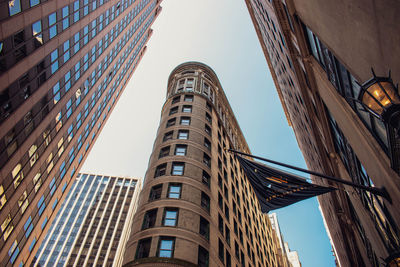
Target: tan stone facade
(63, 67)
(196, 207)
(318, 52)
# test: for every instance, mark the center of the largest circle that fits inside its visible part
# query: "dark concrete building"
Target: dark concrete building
(63, 66)
(93, 224)
(319, 53)
(196, 207)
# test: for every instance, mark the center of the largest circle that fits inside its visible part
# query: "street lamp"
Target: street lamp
(393, 260)
(381, 98)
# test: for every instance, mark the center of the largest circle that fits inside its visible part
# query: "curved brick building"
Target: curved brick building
(196, 207)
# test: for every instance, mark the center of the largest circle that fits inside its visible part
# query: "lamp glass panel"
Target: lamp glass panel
(377, 95)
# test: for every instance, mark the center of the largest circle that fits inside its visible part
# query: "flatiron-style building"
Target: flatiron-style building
(93, 224)
(196, 207)
(63, 67)
(319, 53)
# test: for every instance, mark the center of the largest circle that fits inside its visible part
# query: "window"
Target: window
(34, 2)
(164, 152)
(206, 178)
(228, 259)
(205, 201)
(143, 248)
(166, 247)
(220, 224)
(185, 121)
(183, 134)
(187, 109)
(170, 217)
(174, 190)
(208, 106)
(220, 201)
(149, 219)
(155, 192)
(207, 143)
(173, 110)
(208, 117)
(220, 250)
(237, 250)
(14, 7)
(207, 129)
(227, 235)
(207, 160)
(168, 136)
(204, 228)
(180, 150)
(36, 32)
(177, 168)
(160, 170)
(188, 98)
(53, 28)
(65, 13)
(176, 99)
(203, 257)
(171, 122)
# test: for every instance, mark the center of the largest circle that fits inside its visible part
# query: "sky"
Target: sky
(220, 34)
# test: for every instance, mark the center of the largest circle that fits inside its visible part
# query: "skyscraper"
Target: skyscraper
(285, 256)
(63, 66)
(196, 207)
(93, 223)
(319, 52)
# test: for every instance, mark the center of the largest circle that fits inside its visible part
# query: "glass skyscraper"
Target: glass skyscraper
(63, 67)
(92, 224)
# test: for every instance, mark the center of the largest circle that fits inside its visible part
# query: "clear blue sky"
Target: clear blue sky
(221, 35)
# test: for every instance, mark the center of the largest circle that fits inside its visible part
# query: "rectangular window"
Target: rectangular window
(207, 160)
(180, 150)
(176, 99)
(155, 192)
(14, 7)
(171, 122)
(168, 136)
(207, 143)
(34, 2)
(170, 217)
(173, 110)
(178, 168)
(228, 259)
(208, 118)
(204, 228)
(160, 170)
(206, 178)
(164, 152)
(183, 134)
(207, 129)
(149, 219)
(166, 247)
(227, 235)
(185, 121)
(221, 250)
(187, 109)
(143, 248)
(188, 98)
(205, 201)
(174, 190)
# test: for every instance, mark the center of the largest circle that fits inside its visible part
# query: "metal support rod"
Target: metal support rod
(374, 190)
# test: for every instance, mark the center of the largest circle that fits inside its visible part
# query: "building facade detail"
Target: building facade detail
(196, 207)
(63, 66)
(92, 225)
(318, 60)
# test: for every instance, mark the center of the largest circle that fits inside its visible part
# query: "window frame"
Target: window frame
(177, 164)
(169, 193)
